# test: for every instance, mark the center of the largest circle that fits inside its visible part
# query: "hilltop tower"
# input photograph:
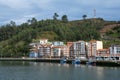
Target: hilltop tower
(94, 13)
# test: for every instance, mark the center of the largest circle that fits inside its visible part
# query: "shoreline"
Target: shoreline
(69, 61)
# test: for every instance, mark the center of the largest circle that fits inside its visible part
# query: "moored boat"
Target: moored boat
(63, 60)
(91, 62)
(76, 61)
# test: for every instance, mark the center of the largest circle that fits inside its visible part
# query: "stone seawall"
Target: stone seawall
(69, 61)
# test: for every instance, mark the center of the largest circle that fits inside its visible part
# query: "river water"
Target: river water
(11, 70)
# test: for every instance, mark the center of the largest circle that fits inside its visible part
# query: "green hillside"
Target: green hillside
(15, 39)
(112, 36)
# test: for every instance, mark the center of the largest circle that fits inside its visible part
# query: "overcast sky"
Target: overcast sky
(22, 10)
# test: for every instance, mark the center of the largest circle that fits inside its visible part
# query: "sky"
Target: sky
(22, 10)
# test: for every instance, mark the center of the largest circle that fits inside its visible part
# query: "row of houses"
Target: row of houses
(56, 49)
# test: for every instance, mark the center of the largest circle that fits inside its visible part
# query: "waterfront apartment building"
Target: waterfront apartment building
(115, 50)
(59, 49)
(41, 48)
(65, 50)
(56, 52)
(78, 49)
(33, 50)
(93, 46)
(70, 49)
(33, 54)
(103, 53)
(44, 50)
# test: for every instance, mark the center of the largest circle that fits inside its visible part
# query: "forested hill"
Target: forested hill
(15, 39)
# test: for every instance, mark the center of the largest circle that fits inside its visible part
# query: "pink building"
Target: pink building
(70, 48)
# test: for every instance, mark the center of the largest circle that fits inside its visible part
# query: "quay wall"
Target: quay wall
(69, 61)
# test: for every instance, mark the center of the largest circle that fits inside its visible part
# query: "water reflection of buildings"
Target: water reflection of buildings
(100, 72)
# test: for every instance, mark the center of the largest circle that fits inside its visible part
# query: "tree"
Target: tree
(64, 19)
(55, 16)
(32, 21)
(12, 23)
(84, 16)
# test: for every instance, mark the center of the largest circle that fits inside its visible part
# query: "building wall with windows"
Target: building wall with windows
(45, 50)
(115, 50)
(56, 52)
(103, 53)
(93, 46)
(65, 50)
(78, 49)
(58, 43)
(70, 45)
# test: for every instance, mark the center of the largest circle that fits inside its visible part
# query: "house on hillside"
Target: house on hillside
(43, 41)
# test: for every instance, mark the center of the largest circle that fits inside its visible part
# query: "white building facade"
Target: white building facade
(115, 50)
(43, 41)
(78, 49)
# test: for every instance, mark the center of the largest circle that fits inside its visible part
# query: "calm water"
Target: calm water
(54, 71)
